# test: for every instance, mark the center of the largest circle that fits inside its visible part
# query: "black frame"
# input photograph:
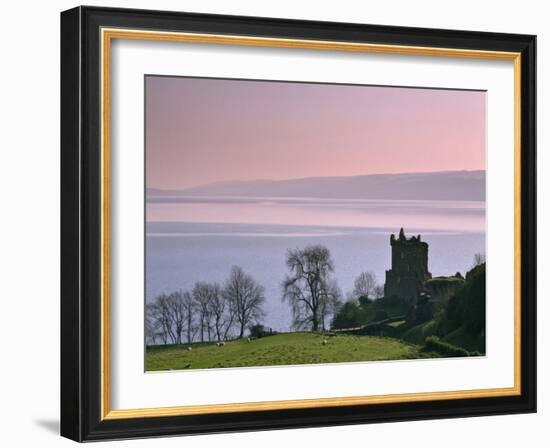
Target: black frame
(80, 223)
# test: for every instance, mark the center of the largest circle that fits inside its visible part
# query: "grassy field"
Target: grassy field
(419, 333)
(282, 349)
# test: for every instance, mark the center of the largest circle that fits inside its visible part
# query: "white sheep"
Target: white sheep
(189, 349)
(325, 342)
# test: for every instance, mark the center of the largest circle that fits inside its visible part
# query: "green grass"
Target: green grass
(434, 344)
(461, 338)
(282, 349)
(419, 333)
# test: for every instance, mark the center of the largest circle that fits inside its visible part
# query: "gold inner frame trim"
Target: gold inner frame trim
(107, 35)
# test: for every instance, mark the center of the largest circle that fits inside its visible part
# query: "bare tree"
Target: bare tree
(378, 292)
(365, 285)
(202, 295)
(170, 318)
(220, 310)
(189, 307)
(176, 308)
(479, 258)
(245, 297)
(151, 330)
(160, 313)
(330, 305)
(309, 289)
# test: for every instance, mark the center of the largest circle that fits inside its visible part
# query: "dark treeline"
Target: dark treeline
(208, 312)
(451, 312)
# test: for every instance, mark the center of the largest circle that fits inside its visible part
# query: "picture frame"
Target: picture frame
(87, 35)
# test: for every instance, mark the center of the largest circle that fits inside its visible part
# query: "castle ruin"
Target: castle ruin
(409, 268)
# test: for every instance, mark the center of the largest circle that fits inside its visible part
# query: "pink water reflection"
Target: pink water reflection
(461, 216)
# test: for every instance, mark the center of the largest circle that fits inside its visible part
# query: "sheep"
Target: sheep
(325, 342)
(189, 349)
(248, 339)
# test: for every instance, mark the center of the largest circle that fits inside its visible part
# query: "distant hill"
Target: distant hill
(443, 185)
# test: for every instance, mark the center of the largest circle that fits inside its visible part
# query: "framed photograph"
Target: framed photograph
(273, 223)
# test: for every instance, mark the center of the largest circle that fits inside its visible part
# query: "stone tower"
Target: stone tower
(409, 268)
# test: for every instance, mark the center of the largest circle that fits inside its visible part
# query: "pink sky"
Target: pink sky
(200, 131)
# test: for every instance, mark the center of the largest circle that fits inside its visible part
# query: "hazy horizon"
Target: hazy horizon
(282, 179)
